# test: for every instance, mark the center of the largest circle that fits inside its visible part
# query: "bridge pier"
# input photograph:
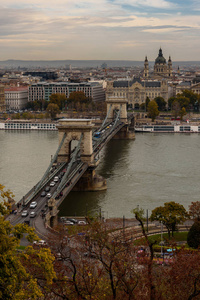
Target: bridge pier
(90, 181)
(125, 134)
(51, 219)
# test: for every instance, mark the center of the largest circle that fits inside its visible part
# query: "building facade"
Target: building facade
(161, 68)
(43, 90)
(2, 99)
(16, 98)
(136, 91)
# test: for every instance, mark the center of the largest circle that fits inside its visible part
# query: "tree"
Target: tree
(193, 98)
(193, 238)
(23, 275)
(53, 109)
(180, 280)
(170, 101)
(183, 101)
(175, 108)
(152, 109)
(171, 214)
(182, 112)
(59, 99)
(78, 96)
(194, 210)
(139, 216)
(161, 103)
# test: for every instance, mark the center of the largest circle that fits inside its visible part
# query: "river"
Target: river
(153, 169)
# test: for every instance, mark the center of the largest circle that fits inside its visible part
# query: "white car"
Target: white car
(82, 223)
(24, 213)
(52, 183)
(56, 179)
(68, 223)
(40, 243)
(32, 214)
(49, 195)
(33, 204)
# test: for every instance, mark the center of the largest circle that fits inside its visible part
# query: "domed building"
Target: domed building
(161, 68)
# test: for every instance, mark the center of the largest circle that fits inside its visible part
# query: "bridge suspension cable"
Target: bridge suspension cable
(118, 116)
(69, 166)
(38, 186)
(104, 122)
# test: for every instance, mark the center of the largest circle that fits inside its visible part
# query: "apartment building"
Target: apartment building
(43, 90)
(16, 97)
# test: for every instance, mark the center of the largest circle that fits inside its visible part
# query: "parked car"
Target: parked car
(33, 204)
(82, 223)
(74, 221)
(32, 214)
(43, 194)
(68, 223)
(52, 183)
(24, 213)
(40, 243)
(47, 189)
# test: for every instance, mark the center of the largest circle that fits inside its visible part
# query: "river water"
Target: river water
(152, 169)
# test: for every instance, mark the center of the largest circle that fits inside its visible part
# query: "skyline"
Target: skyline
(103, 30)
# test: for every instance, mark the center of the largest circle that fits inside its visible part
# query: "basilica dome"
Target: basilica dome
(160, 59)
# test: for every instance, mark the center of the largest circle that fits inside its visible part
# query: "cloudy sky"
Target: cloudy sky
(99, 29)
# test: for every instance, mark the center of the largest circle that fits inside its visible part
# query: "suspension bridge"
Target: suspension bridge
(74, 163)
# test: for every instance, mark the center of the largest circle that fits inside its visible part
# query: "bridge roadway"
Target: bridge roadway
(77, 170)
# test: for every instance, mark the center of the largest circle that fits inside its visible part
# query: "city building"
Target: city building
(136, 90)
(43, 90)
(16, 97)
(2, 99)
(161, 68)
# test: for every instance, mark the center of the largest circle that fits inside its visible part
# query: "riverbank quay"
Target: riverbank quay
(119, 229)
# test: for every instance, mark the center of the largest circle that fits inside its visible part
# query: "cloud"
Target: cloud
(93, 29)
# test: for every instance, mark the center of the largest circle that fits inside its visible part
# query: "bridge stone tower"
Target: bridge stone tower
(115, 104)
(74, 128)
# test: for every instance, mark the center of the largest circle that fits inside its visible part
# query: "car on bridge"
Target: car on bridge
(32, 214)
(33, 204)
(49, 195)
(24, 213)
(52, 183)
(47, 189)
(43, 194)
(56, 179)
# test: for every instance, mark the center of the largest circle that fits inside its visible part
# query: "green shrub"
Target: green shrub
(193, 238)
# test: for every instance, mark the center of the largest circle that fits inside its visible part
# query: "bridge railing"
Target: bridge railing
(79, 170)
(31, 195)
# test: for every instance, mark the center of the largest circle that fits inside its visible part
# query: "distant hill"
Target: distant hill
(11, 63)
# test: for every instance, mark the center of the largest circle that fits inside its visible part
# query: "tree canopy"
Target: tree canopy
(194, 210)
(22, 274)
(161, 103)
(53, 110)
(193, 238)
(152, 109)
(171, 214)
(58, 99)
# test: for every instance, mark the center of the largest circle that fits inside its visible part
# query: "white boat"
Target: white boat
(21, 125)
(168, 128)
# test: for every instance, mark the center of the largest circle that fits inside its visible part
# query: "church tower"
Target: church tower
(170, 67)
(161, 68)
(146, 68)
